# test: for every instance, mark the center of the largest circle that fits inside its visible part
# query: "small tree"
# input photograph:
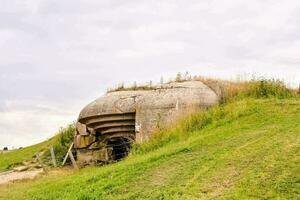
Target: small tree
(178, 77)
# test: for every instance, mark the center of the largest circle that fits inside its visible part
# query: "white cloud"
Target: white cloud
(56, 56)
(22, 128)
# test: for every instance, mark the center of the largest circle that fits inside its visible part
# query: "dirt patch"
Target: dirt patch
(13, 176)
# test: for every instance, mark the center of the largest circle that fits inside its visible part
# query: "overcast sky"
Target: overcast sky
(56, 56)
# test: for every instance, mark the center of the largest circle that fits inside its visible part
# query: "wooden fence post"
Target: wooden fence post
(41, 162)
(67, 154)
(72, 160)
(53, 157)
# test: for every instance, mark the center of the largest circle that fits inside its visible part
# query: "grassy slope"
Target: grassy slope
(15, 157)
(61, 142)
(252, 152)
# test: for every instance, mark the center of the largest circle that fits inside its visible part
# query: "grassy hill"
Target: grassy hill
(60, 142)
(16, 157)
(246, 149)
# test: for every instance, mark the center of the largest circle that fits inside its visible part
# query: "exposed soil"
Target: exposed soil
(13, 176)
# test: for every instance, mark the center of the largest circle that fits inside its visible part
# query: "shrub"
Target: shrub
(255, 88)
(64, 139)
(266, 88)
(179, 77)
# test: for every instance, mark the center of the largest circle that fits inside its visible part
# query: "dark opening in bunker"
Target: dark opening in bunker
(118, 148)
(113, 134)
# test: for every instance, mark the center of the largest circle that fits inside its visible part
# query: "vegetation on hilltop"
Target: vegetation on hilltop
(257, 87)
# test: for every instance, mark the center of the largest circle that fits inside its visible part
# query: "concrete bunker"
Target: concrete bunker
(107, 127)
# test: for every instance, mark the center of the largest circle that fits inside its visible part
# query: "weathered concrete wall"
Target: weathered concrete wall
(128, 116)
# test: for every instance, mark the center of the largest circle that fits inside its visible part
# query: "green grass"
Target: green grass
(246, 149)
(61, 142)
(16, 157)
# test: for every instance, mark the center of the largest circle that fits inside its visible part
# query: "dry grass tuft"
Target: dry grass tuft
(257, 87)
